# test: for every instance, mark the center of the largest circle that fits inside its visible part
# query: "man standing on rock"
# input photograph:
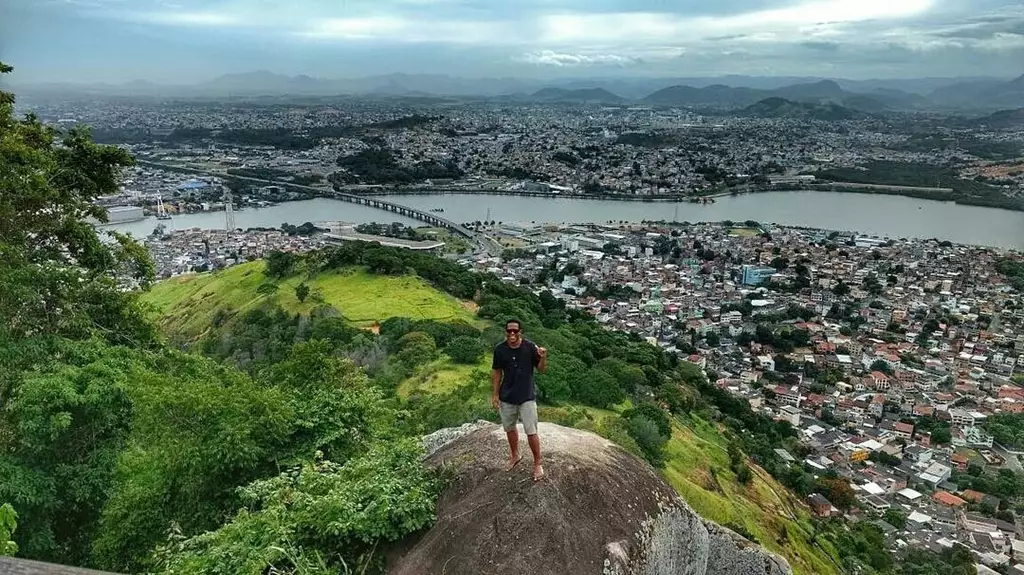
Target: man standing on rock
(513, 393)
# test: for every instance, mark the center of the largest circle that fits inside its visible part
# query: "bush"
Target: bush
(598, 389)
(650, 441)
(322, 516)
(465, 350)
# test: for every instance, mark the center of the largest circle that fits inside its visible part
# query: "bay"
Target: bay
(885, 216)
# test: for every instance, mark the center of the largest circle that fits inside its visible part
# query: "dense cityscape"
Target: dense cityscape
(898, 362)
(313, 289)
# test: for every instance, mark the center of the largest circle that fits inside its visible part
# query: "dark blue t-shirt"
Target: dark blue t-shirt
(517, 371)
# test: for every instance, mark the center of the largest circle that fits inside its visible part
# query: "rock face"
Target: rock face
(599, 510)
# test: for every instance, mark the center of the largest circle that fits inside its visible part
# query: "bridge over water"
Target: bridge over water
(483, 242)
(426, 217)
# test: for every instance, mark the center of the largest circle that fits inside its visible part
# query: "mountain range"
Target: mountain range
(728, 91)
(776, 107)
(822, 91)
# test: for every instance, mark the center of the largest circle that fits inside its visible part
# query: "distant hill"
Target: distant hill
(981, 94)
(788, 109)
(599, 95)
(716, 94)
(821, 92)
(1003, 120)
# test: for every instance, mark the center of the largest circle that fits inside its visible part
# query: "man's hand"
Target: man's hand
(496, 402)
(542, 352)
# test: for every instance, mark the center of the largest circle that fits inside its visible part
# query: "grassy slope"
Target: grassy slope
(697, 461)
(186, 304)
(697, 465)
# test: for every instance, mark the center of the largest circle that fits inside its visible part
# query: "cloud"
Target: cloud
(185, 18)
(821, 46)
(552, 58)
(630, 37)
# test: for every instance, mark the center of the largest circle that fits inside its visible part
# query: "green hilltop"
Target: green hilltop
(695, 455)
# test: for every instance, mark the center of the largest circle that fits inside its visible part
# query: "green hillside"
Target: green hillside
(185, 305)
(696, 459)
(696, 465)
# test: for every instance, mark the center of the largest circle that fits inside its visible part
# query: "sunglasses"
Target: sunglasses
(511, 330)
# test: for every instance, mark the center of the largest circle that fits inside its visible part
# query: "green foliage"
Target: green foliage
(1013, 270)
(617, 430)
(1007, 429)
(430, 412)
(838, 491)
(57, 276)
(648, 438)
(301, 292)
(380, 166)
(920, 174)
(465, 350)
(895, 518)
(280, 264)
(8, 524)
(598, 389)
(563, 376)
(416, 348)
(336, 515)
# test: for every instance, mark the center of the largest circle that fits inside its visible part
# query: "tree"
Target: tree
(465, 350)
(712, 339)
(647, 436)
(280, 264)
(57, 275)
(321, 517)
(599, 389)
(268, 288)
(841, 289)
(8, 523)
(882, 366)
(838, 491)
(895, 518)
(301, 292)
(416, 348)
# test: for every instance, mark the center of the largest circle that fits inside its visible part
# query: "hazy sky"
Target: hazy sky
(192, 40)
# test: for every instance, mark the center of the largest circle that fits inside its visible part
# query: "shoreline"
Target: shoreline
(847, 188)
(915, 192)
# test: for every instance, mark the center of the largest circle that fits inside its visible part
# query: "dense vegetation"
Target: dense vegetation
(376, 165)
(1013, 269)
(1007, 429)
(968, 192)
(282, 441)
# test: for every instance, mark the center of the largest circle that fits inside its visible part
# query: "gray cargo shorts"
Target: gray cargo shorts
(527, 413)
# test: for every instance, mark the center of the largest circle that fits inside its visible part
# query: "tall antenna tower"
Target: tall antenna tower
(488, 218)
(229, 211)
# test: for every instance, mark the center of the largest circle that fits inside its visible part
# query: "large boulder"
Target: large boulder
(599, 510)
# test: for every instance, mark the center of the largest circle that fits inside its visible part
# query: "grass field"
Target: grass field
(744, 232)
(443, 376)
(185, 305)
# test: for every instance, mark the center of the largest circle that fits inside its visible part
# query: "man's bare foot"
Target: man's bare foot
(513, 462)
(538, 473)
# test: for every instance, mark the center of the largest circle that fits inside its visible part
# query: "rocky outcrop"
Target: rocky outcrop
(599, 510)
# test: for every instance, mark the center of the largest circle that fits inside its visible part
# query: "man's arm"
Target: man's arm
(542, 358)
(495, 386)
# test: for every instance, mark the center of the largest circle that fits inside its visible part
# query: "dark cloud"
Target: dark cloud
(821, 46)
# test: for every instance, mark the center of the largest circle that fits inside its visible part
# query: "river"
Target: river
(887, 216)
